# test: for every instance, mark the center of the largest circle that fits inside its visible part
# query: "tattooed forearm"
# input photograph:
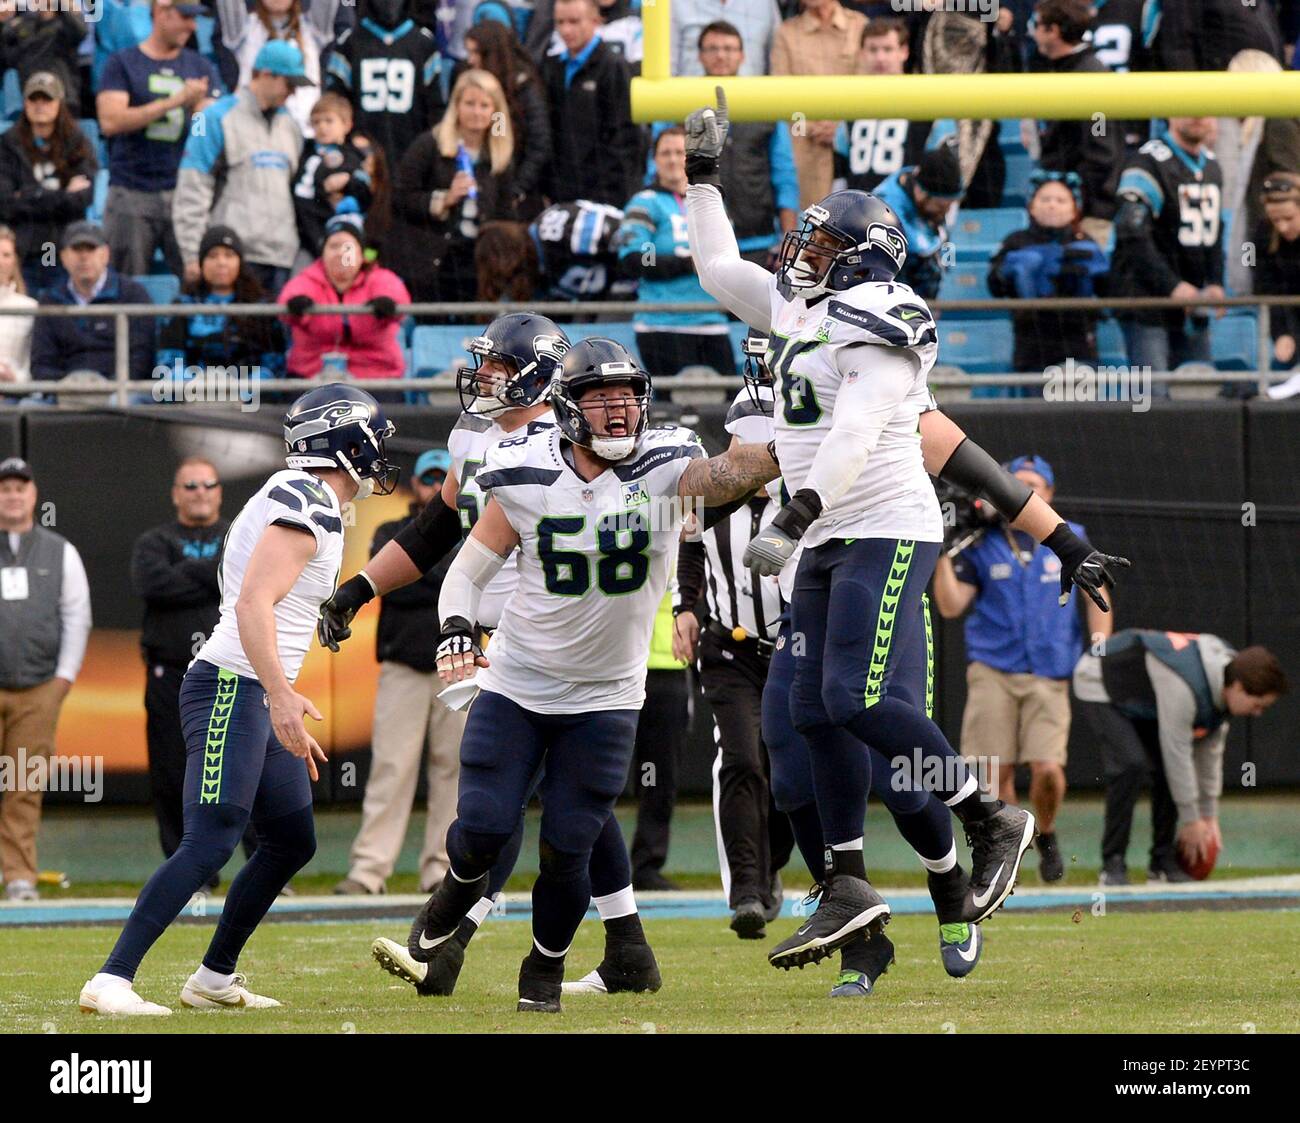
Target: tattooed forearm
(734, 473)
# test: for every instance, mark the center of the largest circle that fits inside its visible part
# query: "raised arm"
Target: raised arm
(745, 288)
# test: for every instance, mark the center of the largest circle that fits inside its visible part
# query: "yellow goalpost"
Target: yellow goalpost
(658, 96)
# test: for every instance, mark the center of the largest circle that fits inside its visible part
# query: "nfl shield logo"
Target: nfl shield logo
(588, 495)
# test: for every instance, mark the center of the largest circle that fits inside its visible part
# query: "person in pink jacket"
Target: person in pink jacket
(342, 275)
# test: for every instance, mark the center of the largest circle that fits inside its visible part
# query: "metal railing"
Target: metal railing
(123, 387)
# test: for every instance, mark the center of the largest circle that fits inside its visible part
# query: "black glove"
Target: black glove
(385, 307)
(458, 637)
(706, 136)
(336, 614)
(1083, 565)
(299, 304)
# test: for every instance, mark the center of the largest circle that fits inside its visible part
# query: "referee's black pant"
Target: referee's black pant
(166, 745)
(756, 838)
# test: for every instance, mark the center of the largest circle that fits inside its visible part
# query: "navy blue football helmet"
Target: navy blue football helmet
(756, 371)
(531, 347)
(338, 426)
(599, 362)
(870, 246)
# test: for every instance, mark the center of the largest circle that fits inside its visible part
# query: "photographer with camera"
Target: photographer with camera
(1021, 647)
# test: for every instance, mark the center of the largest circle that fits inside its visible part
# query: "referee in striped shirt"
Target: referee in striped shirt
(740, 614)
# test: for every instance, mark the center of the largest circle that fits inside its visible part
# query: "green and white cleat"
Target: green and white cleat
(118, 999)
(236, 996)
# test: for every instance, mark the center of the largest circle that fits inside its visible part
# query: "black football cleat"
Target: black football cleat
(862, 962)
(626, 969)
(749, 921)
(1051, 867)
(540, 986)
(998, 846)
(849, 906)
(436, 922)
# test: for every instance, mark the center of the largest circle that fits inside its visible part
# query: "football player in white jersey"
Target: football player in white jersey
(503, 395)
(595, 506)
(920, 817)
(248, 750)
(851, 349)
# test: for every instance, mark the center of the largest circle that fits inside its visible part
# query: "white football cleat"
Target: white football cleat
(118, 999)
(236, 996)
(590, 983)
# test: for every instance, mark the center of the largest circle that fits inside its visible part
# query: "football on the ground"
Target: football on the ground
(1202, 869)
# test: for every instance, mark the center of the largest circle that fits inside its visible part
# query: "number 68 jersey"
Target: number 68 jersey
(594, 559)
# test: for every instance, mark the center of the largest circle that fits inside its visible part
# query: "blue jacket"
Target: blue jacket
(656, 218)
(1016, 625)
(923, 269)
(61, 345)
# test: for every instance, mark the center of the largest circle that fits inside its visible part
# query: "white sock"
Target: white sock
(479, 913)
(940, 865)
(102, 980)
(548, 952)
(613, 905)
(211, 980)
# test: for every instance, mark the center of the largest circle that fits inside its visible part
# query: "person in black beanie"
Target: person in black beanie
(174, 571)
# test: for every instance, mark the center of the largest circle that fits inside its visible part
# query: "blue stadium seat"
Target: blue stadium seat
(1009, 135)
(1111, 350)
(439, 348)
(621, 332)
(204, 30)
(1234, 339)
(985, 230)
(96, 211)
(11, 98)
(976, 346)
(966, 282)
(1020, 166)
(163, 288)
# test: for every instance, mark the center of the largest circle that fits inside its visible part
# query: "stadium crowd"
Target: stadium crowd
(394, 151)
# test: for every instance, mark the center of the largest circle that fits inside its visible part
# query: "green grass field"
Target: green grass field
(1200, 972)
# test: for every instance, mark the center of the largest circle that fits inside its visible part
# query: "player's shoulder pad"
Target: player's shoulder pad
(743, 405)
(529, 458)
(1157, 150)
(659, 445)
(472, 423)
(883, 314)
(302, 495)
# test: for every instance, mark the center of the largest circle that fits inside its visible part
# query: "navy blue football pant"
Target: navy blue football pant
(922, 819)
(582, 760)
(235, 769)
(855, 618)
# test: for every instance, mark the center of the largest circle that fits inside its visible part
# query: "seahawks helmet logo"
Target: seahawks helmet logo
(550, 347)
(311, 423)
(889, 239)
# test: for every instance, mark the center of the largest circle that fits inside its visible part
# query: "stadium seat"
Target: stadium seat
(163, 288)
(620, 331)
(985, 230)
(11, 100)
(967, 282)
(1020, 166)
(204, 30)
(976, 346)
(439, 349)
(1111, 350)
(96, 210)
(1234, 341)
(1009, 135)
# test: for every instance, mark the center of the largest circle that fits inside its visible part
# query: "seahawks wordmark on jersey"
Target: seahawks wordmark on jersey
(812, 350)
(295, 499)
(593, 564)
(468, 445)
